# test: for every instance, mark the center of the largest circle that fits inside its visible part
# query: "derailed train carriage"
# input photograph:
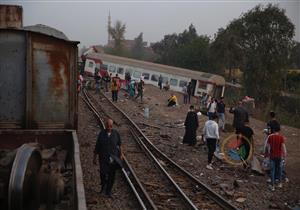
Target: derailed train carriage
(39, 153)
(202, 82)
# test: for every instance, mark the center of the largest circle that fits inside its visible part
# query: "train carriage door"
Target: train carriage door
(194, 85)
(218, 91)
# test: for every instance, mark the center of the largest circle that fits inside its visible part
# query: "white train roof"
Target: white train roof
(198, 75)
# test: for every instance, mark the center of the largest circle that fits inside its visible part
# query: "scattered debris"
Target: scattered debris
(162, 163)
(150, 125)
(224, 186)
(241, 200)
(229, 193)
(179, 122)
(164, 136)
(236, 184)
(273, 206)
(48, 153)
(256, 166)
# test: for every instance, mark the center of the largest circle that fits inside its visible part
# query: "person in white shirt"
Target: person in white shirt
(211, 135)
(211, 108)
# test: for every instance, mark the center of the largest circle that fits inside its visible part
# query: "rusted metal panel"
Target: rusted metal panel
(11, 16)
(12, 78)
(38, 81)
(54, 98)
(51, 81)
(66, 139)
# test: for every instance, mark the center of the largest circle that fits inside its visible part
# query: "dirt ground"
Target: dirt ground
(244, 189)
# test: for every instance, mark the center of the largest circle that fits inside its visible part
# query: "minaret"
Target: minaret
(108, 27)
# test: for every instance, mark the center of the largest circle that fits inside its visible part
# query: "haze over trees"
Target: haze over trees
(186, 49)
(138, 49)
(117, 33)
(259, 43)
(265, 40)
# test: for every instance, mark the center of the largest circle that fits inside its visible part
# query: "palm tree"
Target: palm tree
(117, 33)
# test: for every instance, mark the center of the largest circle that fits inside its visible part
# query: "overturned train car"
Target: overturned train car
(39, 154)
(177, 78)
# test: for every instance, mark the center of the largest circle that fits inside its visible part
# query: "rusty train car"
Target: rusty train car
(39, 152)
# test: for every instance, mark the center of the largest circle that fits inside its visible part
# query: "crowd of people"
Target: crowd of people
(109, 149)
(274, 150)
(108, 82)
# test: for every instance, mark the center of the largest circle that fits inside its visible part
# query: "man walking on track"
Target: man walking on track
(109, 149)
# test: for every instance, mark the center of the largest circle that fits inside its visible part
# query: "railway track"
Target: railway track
(158, 186)
(140, 194)
(192, 193)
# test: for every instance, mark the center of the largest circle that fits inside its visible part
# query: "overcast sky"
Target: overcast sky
(86, 21)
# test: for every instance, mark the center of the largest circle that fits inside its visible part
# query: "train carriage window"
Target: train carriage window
(91, 64)
(165, 79)
(103, 66)
(120, 70)
(202, 85)
(129, 71)
(137, 74)
(146, 76)
(112, 69)
(182, 83)
(98, 65)
(173, 82)
(154, 77)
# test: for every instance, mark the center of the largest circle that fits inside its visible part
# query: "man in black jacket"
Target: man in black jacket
(240, 116)
(109, 149)
(221, 113)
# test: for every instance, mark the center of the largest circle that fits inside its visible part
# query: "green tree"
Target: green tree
(225, 52)
(295, 56)
(265, 39)
(166, 49)
(194, 55)
(117, 33)
(187, 36)
(186, 50)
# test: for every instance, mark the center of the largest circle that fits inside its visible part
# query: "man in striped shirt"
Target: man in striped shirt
(276, 150)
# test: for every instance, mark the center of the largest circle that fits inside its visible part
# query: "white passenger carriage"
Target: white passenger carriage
(202, 82)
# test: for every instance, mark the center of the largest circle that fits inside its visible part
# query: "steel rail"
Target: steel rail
(88, 98)
(213, 195)
(187, 203)
(185, 198)
(146, 149)
(150, 204)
